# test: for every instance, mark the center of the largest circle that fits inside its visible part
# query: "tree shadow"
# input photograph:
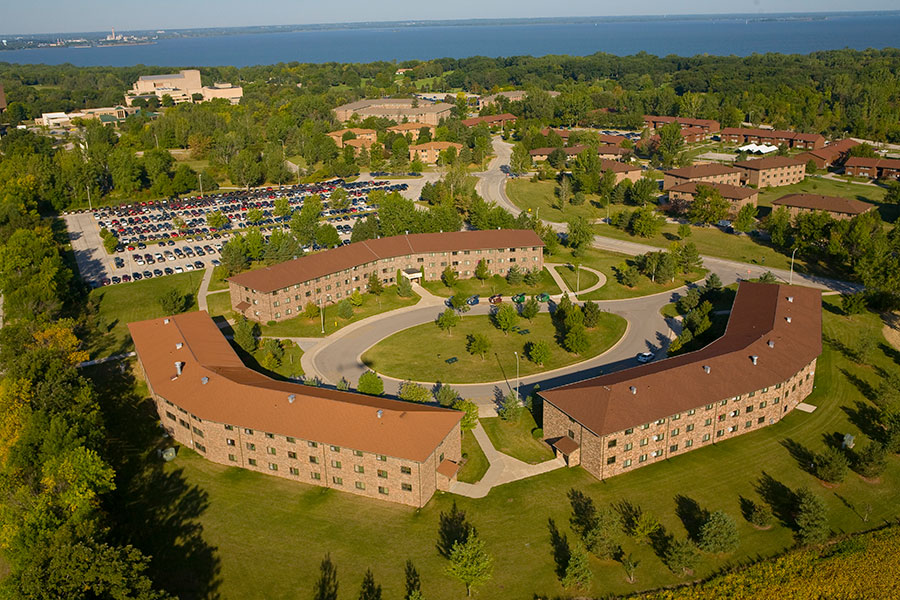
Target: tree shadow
(780, 498)
(660, 540)
(452, 528)
(692, 515)
(890, 352)
(834, 440)
(559, 544)
(863, 386)
(154, 508)
(867, 419)
(806, 458)
(747, 506)
(629, 513)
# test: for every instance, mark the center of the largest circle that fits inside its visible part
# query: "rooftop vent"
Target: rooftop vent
(178, 345)
(790, 298)
(788, 319)
(165, 321)
(178, 367)
(291, 398)
(771, 344)
(754, 358)
(204, 380)
(633, 389)
(379, 413)
(706, 368)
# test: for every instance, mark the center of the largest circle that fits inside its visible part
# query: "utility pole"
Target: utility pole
(577, 278)
(791, 280)
(517, 375)
(322, 314)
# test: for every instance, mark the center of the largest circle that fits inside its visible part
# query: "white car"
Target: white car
(189, 267)
(179, 270)
(644, 357)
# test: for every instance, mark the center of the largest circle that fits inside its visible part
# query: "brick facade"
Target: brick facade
(732, 177)
(775, 176)
(646, 443)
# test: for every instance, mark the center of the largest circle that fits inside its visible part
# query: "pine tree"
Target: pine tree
(481, 271)
(369, 589)
(327, 585)
(578, 571)
(719, 533)
(681, 556)
(811, 518)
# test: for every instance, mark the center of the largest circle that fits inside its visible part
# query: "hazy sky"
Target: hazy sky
(43, 16)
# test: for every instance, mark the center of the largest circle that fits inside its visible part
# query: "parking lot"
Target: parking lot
(151, 245)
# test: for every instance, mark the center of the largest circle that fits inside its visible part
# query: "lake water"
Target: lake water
(685, 37)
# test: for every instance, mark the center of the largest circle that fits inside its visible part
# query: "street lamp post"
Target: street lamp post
(322, 314)
(517, 375)
(577, 278)
(791, 280)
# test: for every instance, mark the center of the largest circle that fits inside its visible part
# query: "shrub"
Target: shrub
(719, 533)
(413, 392)
(370, 383)
(445, 395)
(311, 311)
(759, 515)
(345, 309)
(831, 465)
(511, 408)
(537, 433)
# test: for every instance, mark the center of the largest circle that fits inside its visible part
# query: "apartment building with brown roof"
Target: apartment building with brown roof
(398, 109)
(709, 172)
(772, 171)
(874, 168)
(683, 194)
(430, 152)
(512, 96)
(621, 170)
(500, 120)
(209, 401)
(836, 206)
(778, 137)
(832, 154)
(364, 137)
(708, 126)
(281, 291)
(757, 372)
(605, 151)
(411, 129)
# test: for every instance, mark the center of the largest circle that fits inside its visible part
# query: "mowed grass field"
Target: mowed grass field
(118, 305)
(493, 285)
(420, 353)
(475, 464)
(516, 439)
(539, 197)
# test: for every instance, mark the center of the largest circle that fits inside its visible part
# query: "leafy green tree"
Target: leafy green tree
(708, 206)
(449, 277)
(458, 302)
(642, 191)
(746, 219)
(538, 352)
(645, 222)
(580, 234)
(404, 287)
(684, 231)
(713, 283)
(482, 272)
(871, 461)
(811, 167)
(759, 515)
(577, 340)
(506, 318)
(681, 556)
(244, 335)
(810, 517)
(339, 199)
(768, 277)
(832, 465)
(375, 286)
(892, 195)
(470, 563)
(719, 533)
(670, 145)
(327, 236)
(446, 395)
(643, 527)
(110, 242)
(510, 407)
(478, 343)
(630, 564)
(217, 220)
(305, 223)
(599, 530)
(370, 383)
(689, 301)
(254, 216)
(447, 320)
(853, 303)
(470, 417)
(531, 308)
(533, 277)
(592, 314)
(778, 224)
(630, 276)
(586, 171)
(413, 392)
(245, 169)
(688, 258)
(520, 161)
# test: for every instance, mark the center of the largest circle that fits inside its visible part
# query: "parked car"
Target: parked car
(495, 299)
(644, 357)
(519, 298)
(472, 300)
(545, 297)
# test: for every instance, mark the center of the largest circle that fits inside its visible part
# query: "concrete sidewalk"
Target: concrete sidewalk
(204, 289)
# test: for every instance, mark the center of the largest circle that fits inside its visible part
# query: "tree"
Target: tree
(563, 192)
(645, 222)
(520, 161)
(458, 302)
(778, 224)
(592, 313)
(586, 171)
(684, 231)
(630, 276)
(670, 144)
(708, 206)
(853, 303)
(538, 352)
(580, 234)
(689, 301)
(404, 287)
(514, 275)
(470, 416)
(531, 308)
(831, 465)
(577, 340)
(413, 392)
(449, 277)
(369, 589)
(681, 556)
(446, 395)
(328, 237)
(244, 335)
(719, 533)
(533, 277)
(506, 318)
(871, 461)
(481, 271)
(599, 530)
(453, 528)
(327, 585)
(713, 283)
(470, 562)
(254, 216)
(759, 515)
(642, 191)
(810, 517)
(510, 407)
(578, 572)
(643, 527)
(892, 195)
(746, 219)
(447, 320)
(345, 309)
(245, 169)
(478, 343)
(768, 277)
(375, 287)
(413, 582)
(339, 200)
(217, 220)
(630, 564)
(811, 167)
(370, 383)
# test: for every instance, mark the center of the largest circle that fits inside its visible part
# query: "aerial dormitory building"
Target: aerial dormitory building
(411, 129)
(874, 168)
(837, 207)
(777, 137)
(281, 291)
(181, 87)
(491, 120)
(683, 194)
(708, 172)
(397, 109)
(751, 377)
(772, 171)
(707, 126)
(605, 151)
(832, 154)
(364, 137)
(209, 401)
(430, 152)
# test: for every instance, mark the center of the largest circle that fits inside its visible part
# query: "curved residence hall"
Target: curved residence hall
(232, 415)
(753, 375)
(281, 291)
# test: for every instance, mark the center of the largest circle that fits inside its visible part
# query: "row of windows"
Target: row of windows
(406, 487)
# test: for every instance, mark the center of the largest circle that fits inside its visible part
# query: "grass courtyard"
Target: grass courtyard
(273, 550)
(539, 197)
(493, 285)
(475, 464)
(420, 353)
(577, 280)
(516, 439)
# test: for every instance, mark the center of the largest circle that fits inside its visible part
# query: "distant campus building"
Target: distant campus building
(181, 87)
(837, 207)
(282, 291)
(772, 171)
(778, 137)
(209, 401)
(751, 377)
(875, 168)
(707, 126)
(398, 109)
(707, 172)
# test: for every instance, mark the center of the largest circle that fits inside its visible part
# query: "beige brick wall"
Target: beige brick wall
(775, 177)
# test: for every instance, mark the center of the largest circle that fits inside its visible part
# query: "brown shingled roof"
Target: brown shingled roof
(269, 279)
(769, 162)
(236, 395)
(701, 170)
(837, 204)
(731, 192)
(617, 167)
(882, 163)
(661, 389)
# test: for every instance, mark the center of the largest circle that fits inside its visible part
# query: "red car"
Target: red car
(495, 299)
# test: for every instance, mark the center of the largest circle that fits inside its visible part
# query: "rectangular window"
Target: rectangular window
(290, 440)
(252, 462)
(359, 468)
(762, 404)
(776, 401)
(271, 450)
(184, 423)
(314, 460)
(749, 409)
(659, 436)
(707, 422)
(709, 407)
(170, 415)
(230, 442)
(626, 463)
(645, 426)
(360, 485)
(294, 471)
(660, 422)
(406, 470)
(292, 455)
(691, 412)
(335, 448)
(720, 433)
(336, 464)
(644, 441)
(642, 458)
(571, 434)
(705, 437)
(675, 417)
(406, 487)
(200, 447)
(748, 424)
(382, 473)
(229, 428)
(251, 446)
(629, 431)
(337, 480)
(673, 448)
(751, 394)
(611, 444)
(689, 427)
(723, 402)
(273, 467)
(760, 420)
(312, 444)
(248, 431)
(357, 453)
(689, 443)
(628, 446)
(382, 490)
(611, 460)
(316, 476)
(232, 458)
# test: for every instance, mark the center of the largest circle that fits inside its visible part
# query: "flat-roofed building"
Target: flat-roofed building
(411, 129)
(772, 171)
(397, 109)
(751, 377)
(836, 206)
(281, 291)
(181, 87)
(209, 401)
(683, 194)
(874, 168)
(710, 172)
(366, 137)
(430, 152)
(707, 126)
(778, 137)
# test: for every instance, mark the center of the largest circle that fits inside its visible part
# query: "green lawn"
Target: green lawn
(123, 303)
(607, 263)
(303, 327)
(540, 196)
(219, 305)
(495, 285)
(516, 439)
(475, 463)
(290, 364)
(829, 187)
(217, 281)
(273, 550)
(577, 281)
(420, 353)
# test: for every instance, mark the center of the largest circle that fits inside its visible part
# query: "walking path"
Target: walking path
(552, 268)
(105, 359)
(503, 469)
(204, 288)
